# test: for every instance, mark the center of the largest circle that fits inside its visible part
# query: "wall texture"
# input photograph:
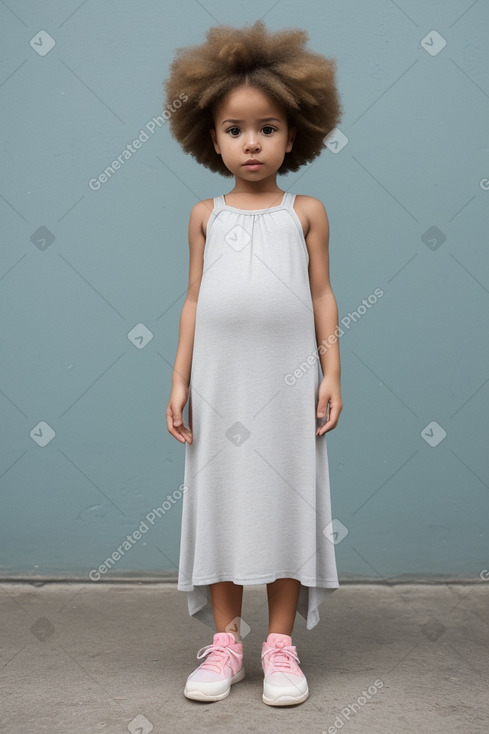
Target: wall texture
(93, 276)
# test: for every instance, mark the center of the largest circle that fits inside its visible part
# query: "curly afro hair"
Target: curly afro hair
(300, 81)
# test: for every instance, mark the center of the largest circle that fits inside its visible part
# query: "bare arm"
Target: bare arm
(325, 314)
(183, 360)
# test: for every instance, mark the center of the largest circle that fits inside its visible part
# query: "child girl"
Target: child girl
(257, 358)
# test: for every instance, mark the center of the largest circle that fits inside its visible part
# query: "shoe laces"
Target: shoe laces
(218, 656)
(282, 658)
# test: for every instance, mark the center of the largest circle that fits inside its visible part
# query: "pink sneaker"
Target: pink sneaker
(212, 680)
(284, 683)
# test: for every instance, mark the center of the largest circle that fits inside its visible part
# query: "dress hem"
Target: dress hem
(309, 600)
(268, 579)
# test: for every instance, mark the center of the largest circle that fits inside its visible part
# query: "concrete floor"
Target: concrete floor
(80, 658)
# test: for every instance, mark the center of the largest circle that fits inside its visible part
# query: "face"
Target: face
(248, 124)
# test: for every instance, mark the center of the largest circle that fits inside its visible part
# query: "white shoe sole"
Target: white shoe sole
(199, 695)
(285, 700)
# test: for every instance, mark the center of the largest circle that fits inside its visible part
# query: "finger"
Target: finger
(331, 423)
(187, 434)
(176, 434)
(169, 420)
(173, 421)
(325, 418)
(322, 407)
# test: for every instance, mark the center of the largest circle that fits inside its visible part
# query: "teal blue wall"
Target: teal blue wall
(407, 199)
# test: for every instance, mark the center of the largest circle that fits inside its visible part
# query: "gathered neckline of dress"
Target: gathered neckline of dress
(254, 211)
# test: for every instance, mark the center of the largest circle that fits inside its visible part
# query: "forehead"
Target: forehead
(247, 103)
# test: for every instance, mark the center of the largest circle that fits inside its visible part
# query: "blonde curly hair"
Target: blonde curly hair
(302, 82)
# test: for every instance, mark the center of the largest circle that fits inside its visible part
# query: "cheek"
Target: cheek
(229, 145)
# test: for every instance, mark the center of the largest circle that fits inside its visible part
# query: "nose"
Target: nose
(252, 144)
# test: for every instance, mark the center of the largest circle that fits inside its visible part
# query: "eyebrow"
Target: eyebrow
(263, 119)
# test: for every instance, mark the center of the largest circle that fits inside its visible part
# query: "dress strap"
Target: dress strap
(288, 200)
(219, 202)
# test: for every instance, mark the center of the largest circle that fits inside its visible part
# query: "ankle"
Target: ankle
(236, 635)
(279, 631)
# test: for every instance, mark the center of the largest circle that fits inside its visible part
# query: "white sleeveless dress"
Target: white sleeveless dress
(257, 495)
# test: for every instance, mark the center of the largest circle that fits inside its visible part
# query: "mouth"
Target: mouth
(252, 164)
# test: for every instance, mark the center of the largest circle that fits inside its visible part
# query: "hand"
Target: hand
(174, 417)
(329, 392)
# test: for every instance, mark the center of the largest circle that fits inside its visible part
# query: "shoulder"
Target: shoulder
(311, 206)
(200, 213)
(311, 212)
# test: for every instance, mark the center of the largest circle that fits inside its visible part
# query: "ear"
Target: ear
(290, 142)
(214, 140)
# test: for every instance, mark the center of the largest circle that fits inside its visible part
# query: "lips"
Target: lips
(253, 163)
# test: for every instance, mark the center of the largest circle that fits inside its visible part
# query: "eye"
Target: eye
(269, 127)
(232, 128)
